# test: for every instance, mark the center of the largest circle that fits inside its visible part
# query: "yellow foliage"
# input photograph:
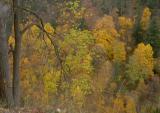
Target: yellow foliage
(25, 61)
(35, 29)
(122, 104)
(78, 96)
(131, 106)
(48, 41)
(122, 32)
(11, 40)
(118, 105)
(125, 23)
(104, 40)
(37, 60)
(141, 63)
(80, 88)
(106, 23)
(105, 34)
(145, 57)
(51, 82)
(63, 28)
(145, 19)
(48, 27)
(119, 52)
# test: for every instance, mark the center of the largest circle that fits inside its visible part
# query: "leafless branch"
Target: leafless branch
(49, 36)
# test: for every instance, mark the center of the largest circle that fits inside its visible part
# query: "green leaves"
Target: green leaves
(77, 54)
(51, 80)
(73, 5)
(77, 57)
(80, 89)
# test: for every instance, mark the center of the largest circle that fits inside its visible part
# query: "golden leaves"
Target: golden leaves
(106, 23)
(119, 51)
(145, 19)
(122, 104)
(105, 34)
(48, 28)
(51, 81)
(35, 29)
(11, 40)
(141, 63)
(125, 23)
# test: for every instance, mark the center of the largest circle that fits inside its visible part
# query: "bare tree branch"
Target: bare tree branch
(51, 37)
(26, 28)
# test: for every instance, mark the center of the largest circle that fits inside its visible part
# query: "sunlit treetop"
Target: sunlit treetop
(125, 23)
(106, 23)
(105, 34)
(145, 19)
(119, 52)
(69, 15)
(141, 63)
(76, 53)
(122, 104)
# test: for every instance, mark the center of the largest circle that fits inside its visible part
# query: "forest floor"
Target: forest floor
(22, 110)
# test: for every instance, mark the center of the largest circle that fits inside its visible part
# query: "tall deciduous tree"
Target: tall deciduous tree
(17, 54)
(140, 65)
(5, 79)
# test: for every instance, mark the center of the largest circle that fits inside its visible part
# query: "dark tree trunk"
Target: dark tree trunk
(16, 55)
(5, 79)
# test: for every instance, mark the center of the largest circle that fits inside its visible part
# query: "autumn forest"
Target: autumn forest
(79, 56)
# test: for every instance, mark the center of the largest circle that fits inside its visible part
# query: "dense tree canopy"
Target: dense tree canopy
(80, 56)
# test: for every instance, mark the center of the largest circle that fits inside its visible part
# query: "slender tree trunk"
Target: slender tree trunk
(16, 55)
(5, 79)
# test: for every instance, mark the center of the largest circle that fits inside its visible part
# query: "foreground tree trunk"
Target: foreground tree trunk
(5, 79)
(16, 55)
